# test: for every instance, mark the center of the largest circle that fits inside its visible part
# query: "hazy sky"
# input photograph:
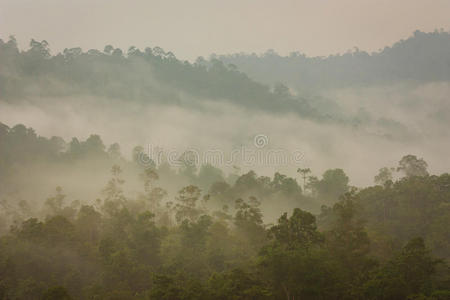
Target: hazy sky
(190, 28)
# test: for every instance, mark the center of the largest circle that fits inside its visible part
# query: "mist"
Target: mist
(137, 175)
(377, 137)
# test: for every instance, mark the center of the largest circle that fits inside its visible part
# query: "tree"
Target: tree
(333, 184)
(287, 185)
(167, 287)
(141, 158)
(208, 175)
(39, 49)
(186, 208)
(152, 195)
(108, 49)
(299, 230)
(408, 275)
(114, 198)
(238, 285)
(146, 239)
(114, 151)
(88, 224)
(249, 223)
(384, 176)
(94, 145)
(410, 165)
(149, 176)
(304, 173)
(349, 243)
(295, 262)
(55, 203)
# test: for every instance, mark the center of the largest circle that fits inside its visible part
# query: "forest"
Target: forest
(212, 239)
(145, 75)
(422, 57)
(87, 212)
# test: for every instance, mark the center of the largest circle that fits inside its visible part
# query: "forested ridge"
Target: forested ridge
(149, 76)
(210, 239)
(421, 58)
(82, 219)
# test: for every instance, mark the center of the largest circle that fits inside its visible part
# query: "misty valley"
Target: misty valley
(279, 177)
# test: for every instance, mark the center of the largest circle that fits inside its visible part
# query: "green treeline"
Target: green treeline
(423, 57)
(148, 76)
(210, 240)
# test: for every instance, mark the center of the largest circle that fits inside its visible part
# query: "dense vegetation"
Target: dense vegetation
(82, 220)
(150, 76)
(424, 57)
(211, 241)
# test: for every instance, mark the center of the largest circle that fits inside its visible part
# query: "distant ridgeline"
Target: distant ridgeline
(152, 75)
(155, 76)
(424, 57)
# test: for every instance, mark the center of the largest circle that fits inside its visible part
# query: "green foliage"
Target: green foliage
(295, 262)
(412, 166)
(237, 285)
(186, 208)
(384, 176)
(333, 184)
(300, 230)
(410, 207)
(129, 255)
(142, 76)
(192, 245)
(418, 58)
(409, 273)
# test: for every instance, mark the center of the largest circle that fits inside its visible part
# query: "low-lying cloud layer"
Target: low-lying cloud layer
(389, 122)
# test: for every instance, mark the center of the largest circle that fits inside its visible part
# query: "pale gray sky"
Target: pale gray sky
(191, 28)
